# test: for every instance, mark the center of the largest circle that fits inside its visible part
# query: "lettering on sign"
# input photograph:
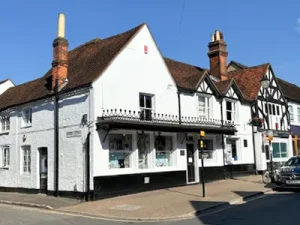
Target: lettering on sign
(71, 134)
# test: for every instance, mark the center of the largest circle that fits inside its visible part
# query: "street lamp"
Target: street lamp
(265, 83)
(57, 89)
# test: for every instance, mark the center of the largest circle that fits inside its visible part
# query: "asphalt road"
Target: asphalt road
(273, 209)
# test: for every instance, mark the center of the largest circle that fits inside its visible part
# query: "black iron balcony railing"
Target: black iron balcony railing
(151, 117)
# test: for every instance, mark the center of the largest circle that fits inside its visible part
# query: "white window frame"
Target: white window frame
(27, 117)
(5, 157)
(144, 108)
(128, 151)
(207, 106)
(233, 111)
(239, 148)
(298, 114)
(26, 159)
(171, 151)
(213, 151)
(5, 123)
(291, 111)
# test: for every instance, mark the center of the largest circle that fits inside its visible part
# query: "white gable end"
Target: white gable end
(204, 87)
(6, 85)
(231, 93)
(139, 68)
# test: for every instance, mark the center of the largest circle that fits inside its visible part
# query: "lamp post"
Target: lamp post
(56, 131)
(265, 83)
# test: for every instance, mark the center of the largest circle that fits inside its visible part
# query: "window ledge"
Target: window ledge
(4, 168)
(4, 132)
(27, 126)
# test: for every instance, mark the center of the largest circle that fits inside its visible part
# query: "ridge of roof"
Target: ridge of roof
(3, 81)
(242, 66)
(187, 64)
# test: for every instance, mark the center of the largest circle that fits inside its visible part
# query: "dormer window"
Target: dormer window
(27, 117)
(5, 123)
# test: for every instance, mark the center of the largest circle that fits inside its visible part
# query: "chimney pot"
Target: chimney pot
(61, 25)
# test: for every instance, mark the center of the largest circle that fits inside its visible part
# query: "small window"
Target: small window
(278, 110)
(266, 108)
(26, 159)
(27, 117)
(274, 111)
(270, 109)
(291, 111)
(5, 123)
(245, 143)
(146, 107)
(230, 111)
(5, 155)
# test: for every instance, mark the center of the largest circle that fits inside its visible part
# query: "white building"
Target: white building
(128, 118)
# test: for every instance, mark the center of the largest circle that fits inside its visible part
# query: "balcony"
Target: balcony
(147, 120)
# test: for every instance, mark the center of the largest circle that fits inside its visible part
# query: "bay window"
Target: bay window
(204, 106)
(120, 149)
(230, 110)
(164, 150)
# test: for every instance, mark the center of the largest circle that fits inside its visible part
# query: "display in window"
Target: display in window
(119, 151)
(164, 148)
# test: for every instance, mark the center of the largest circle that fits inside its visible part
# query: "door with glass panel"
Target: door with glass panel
(43, 170)
(190, 162)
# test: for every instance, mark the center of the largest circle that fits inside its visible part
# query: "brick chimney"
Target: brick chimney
(60, 55)
(218, 56)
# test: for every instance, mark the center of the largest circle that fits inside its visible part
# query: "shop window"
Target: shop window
(143, 144)
(164, 150)
(120, 149)
(208, 148)
(231, 147)
(279, 150)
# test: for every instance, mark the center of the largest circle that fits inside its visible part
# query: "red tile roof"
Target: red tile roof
(291, 91)
(248, 79)
(86, 63)
(185, 75)
(223, 85)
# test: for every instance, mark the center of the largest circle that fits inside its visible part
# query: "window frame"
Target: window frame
(211, 151)
(291, 112)
(129, 151)
(170, 151)
(26, 159)
(5, 160)
(207, 106)
(5, 123)
(146, 112)
(27, 122)
(298, 114)
(233, 110)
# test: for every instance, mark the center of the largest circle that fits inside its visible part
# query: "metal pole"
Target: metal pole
(202, 169)
(270, 143)
(56, 139)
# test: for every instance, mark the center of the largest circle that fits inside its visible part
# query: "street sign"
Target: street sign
(202, 133)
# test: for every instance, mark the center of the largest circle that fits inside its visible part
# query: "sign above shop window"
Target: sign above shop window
(76, 133)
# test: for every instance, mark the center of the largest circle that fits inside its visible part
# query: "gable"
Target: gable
(231, 93)
(204, 87)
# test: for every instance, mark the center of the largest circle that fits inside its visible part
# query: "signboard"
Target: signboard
(202, 133)
(76, 133)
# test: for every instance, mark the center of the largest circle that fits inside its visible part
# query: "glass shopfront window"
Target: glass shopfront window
(279, 150)
(208, 148)
(120, 149)
(143, 144)
(164, 150)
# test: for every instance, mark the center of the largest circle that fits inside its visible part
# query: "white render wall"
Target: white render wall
(5, 85)
(295, 107)
(41, 134)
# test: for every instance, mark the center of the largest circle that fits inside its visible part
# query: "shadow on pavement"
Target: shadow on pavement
(250, 212)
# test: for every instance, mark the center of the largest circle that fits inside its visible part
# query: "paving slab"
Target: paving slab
(173, 203)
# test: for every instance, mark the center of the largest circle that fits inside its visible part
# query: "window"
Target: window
(143, 144)
(146, 107)
(231, 146)
(27, 117)
(293, 162)
(279, 150)
(291, 110)
(4, 157)
(298, 114)
(5, 123)
(230, 110)
(26, 159)
(164, 150)
(120, 149)
(245, 143)
(208, 148)
(204, 106)
(278, 110)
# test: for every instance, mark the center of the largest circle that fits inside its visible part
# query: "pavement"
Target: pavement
(160, 205)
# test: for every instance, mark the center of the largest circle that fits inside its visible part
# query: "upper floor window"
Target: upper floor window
(272, 109)
(291, 110)
(4, 154)
(27, 117)
(5, 123)
(298, 114)
(230, 110)
(146, 106)
(204, 106)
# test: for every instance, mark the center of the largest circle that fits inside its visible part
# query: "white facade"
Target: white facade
(294, 111)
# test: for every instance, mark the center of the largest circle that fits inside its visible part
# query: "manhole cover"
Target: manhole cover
(126, 207)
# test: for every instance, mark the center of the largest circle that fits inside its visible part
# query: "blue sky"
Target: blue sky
(256, 31)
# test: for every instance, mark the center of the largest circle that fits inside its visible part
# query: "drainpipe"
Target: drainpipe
(179, 106)
(253, 140)
(223, 144)
(87, 196)
(56, 139)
